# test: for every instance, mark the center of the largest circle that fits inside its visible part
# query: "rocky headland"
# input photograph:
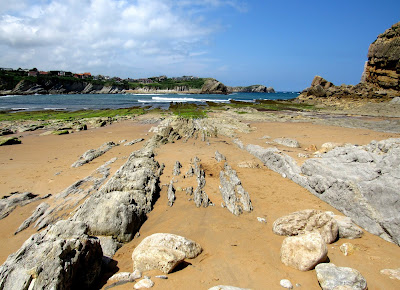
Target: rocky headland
(59, 85)
(379, 82)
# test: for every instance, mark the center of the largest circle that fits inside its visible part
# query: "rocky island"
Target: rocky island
(265, 195)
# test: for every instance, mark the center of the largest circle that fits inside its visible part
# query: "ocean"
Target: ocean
(76, 102)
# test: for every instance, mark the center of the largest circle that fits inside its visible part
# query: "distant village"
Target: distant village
(87, 75)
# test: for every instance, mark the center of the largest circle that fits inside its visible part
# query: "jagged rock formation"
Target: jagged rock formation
(380, 79)
(200, 197)
(75, 261)
(219, 157)
(68, 199)
(9, 202)
(177, 168)
(134, 142)
(383, 66)
(171, 193)
(119, 208)
(93, 154)
(366, 178)
(251, 89)
(235, 197)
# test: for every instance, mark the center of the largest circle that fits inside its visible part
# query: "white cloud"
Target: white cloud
(104, 34)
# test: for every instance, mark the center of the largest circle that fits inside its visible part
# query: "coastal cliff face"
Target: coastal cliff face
(380, 80)
(383, 66)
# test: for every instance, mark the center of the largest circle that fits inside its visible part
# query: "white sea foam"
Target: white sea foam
(146, 94)
(19, 109)
(55, 109)
(8, 96)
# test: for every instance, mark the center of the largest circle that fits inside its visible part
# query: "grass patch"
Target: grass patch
(69, 116)
(187, 110)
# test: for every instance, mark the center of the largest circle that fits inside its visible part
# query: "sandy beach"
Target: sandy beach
(238, 251)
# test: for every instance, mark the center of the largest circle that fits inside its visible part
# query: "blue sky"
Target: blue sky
(282, 44)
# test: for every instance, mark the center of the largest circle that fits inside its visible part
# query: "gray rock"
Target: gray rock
(305, 221)
(329, 277)
(93, 154)
(366, 178)
(189, 190)
(68, 199)
(134, 142)
(347, 229)
(219, 157)
(109, 246)
(125, 276)
(60, 257)
(119, 208)
(200, 197)
(304, 252)
(164, 252)
(10, 202)
(177, 168)
(288, 142)
(171, 193)
(235, 197)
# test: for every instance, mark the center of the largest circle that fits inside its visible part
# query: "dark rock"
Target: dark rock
(93, 153)
(9, 141)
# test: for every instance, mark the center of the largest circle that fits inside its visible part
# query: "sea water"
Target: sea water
(75, 102)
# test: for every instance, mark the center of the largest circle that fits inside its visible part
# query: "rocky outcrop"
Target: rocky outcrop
(383, 66)
(305, 221)
(93, 154)
(331, 277)
(60, 257)
(212, 86)
(366, 178)
(58, 86)
(236, 199)
(163, 252)
(251, 89)
(380, 79)
(9, 202)
(46, 214)
(119, 208)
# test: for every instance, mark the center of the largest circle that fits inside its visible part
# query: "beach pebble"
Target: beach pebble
(144, 283)
(262, 220)
(285, 283)
(392, 273)
(162, 277)
(347, 249)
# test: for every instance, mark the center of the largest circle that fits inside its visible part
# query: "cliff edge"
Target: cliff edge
(380, 79)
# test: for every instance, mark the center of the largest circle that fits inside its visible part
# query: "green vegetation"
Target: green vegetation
(169, 84)
(69, 116)
(188, 110)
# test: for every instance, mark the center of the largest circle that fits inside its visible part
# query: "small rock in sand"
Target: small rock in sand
(285, 283)
(144, 283)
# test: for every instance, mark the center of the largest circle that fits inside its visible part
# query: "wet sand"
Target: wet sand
(237, 251)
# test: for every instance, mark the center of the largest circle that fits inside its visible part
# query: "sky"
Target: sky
(282, 44)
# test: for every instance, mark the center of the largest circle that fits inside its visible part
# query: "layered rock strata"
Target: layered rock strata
(366, 178)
